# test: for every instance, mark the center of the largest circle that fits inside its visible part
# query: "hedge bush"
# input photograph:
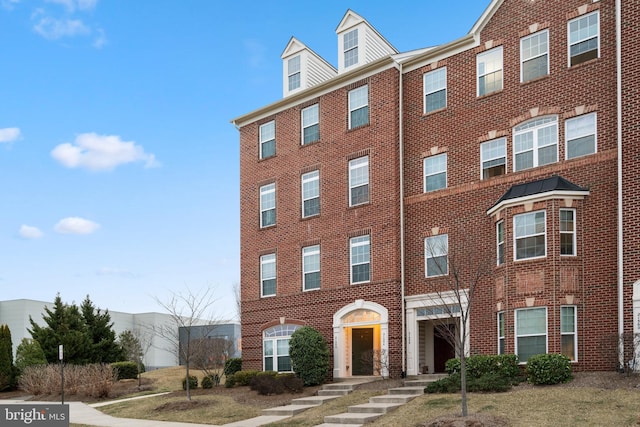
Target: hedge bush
(125, 370)
(267, 385)
(210, 381)
(230, 381)
(231, 366)
(548, 369)
(193, 382)
(309, 354)
(506, 365)
(291, 382)
(244, 377)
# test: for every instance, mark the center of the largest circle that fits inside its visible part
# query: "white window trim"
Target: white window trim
(432, 173)
(264, 190)
(353, 108)
(478, 75)
(290, 74)
(308, 251)
(354, 164)
(569, 44)
(482, 159)
(546, 329)
(574, 137)
(261, 142)
(575, 330)
(305, 179)
(516, 237)
(349, 49)
(263, 262)
(503, 336)
(303, 126)
(498, 243)
(431, 252)
(352, 245)
(273, 334)
(522, 59)
(536, 146)
(573, 233)
(426, 93)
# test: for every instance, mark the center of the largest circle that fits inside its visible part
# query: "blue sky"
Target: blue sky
(119, 168)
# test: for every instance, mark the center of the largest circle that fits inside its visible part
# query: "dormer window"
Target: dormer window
(293, 70)
(350, 43)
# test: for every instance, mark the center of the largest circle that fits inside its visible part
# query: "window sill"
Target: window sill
(487, 95)
(537, 79)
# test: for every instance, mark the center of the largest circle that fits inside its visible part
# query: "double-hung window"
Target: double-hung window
(530, 235)
(493, 158)
(567, 232)
(584, 38)
(311, 267)
(501, 336)
(267, 205)
(359, 181)
(535, 143)
(580, 133)
(489, 71)
(436, 255)
(359, 107)
(268, 275)
(534, 56)
(293, 73)
(275, 347)
(435, 172)
(531, 332)
(360, 259)
(568, 332)
(310, 194)
(310, 124)
(435, 90)
(268, 140)
(350, 48)
(500, 243)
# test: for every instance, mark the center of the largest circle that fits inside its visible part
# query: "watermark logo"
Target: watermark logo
(34, 415)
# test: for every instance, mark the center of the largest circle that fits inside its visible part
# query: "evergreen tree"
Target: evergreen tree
(29, 353)
(7, 370)
(131, 346)
(104, 348)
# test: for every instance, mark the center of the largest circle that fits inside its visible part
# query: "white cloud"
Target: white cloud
(72, 5)
(9, 134)
(9, 4)
(29, 232)
(75, 225)
(101, 152)
(53, 29)
(100, 40)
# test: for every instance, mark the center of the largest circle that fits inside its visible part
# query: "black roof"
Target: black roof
(554, 183)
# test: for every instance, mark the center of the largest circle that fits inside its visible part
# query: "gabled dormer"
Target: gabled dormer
(303, 68)
(359, 43)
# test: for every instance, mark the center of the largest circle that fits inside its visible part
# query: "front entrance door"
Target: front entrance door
(443, 349)
(362, 351)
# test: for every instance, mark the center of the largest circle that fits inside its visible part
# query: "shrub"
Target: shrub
(230, 381)
(267, 385)
(479, 365)
(450, 384)
(125, 370)
(29, 353)
(244, 377)
(95, 380)
(309, 354)
(193, 382)
(210, 381)
(548, 369)
(291, 382)
(489, 382)
(231, 366)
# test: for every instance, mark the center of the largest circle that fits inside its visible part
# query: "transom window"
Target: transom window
(568, 332)
(293, 68)
(535, 143)
(268, 275)
(436, 254)
(310, 194)
(580, 133)
(501, 336)
(268, 140)
(360, 250)
(359, 181)
(493, 158)
(534, 56)
(435, 172)
(350, 46)
(310, 124)
(359, 107)
(435, 90)
(276, 348)
(489, 71)
(567, 232)
(530, 235)
(531, 332)
(311, 267)
(584, 38)
(268, 205)
(500, 243)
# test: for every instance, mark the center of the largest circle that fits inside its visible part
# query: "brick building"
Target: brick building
(384, 200)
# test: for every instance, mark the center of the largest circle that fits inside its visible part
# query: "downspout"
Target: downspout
(402, 255)
(620, 200)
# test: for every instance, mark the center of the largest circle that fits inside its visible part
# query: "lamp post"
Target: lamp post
(61, 357)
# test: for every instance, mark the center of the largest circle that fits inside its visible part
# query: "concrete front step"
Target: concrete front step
(334, 393)
(350, 418)
(373, 408)
(312, 400)
(393, 398)
(288, 410)
(338, 425)
(407, 390)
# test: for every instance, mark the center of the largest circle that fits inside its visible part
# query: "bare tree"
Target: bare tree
(210, 355)
(460, 273)
(187, 310)
(238, 297)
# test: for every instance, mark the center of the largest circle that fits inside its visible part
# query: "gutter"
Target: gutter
(620, 200)
(402, 255)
